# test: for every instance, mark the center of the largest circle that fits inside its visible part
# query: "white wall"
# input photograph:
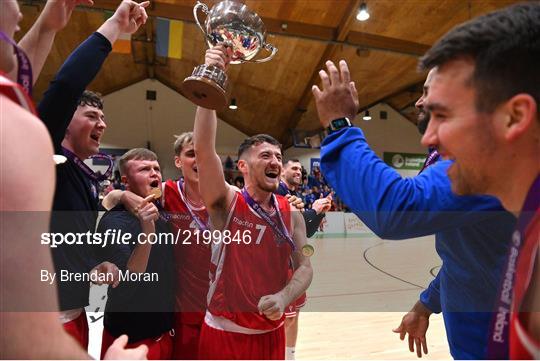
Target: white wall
(132, 121)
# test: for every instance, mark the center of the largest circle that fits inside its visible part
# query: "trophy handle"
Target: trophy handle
(269, 47)
(204, 9)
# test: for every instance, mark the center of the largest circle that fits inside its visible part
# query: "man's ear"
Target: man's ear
(177, 162)
(520, 114)
(242, 165)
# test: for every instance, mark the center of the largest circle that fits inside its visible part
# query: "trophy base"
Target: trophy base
(206, 87)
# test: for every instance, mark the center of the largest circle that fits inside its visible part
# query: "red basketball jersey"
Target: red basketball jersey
(16, 93)
(192, 256)
(244, 271)
(522, 344)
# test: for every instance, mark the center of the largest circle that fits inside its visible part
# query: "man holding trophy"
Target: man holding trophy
(249, 285)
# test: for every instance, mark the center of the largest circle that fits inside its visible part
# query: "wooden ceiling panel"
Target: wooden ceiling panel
(404, 99)
(376, 74)
(422, 21)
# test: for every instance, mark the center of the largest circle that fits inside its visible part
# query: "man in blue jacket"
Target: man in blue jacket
(471, 232)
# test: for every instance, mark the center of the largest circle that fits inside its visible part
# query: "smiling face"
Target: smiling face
(459, 131)
(261, 166)
(292, 173)
(141, 176)
(84, 133)
(423, 115)
(10, 16)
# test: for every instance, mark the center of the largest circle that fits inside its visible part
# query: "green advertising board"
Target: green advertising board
(411, 161)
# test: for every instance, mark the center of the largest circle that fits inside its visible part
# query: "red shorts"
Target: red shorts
(223, 345)
(294, 307)
(186, 341)
(159, 348)
(78, 328)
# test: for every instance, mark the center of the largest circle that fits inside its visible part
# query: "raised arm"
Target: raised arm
(216, 193)
(391, 206)
(60, 100)
(37, 42)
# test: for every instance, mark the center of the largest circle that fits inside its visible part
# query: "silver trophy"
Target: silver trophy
(233, 24)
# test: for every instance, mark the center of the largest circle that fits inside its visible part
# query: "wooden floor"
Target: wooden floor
(361, 289)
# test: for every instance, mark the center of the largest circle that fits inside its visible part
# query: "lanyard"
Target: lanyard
(86, 169)
(24, 73)
(200, 223)
(432, 158)
(499, 329)
(282, 231)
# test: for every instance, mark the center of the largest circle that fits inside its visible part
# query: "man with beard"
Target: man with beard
(250, 286)
(471, 232)
(291, 180)
(484, 101)
(188, 217)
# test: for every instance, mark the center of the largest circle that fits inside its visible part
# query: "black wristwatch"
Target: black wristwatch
(338, 124)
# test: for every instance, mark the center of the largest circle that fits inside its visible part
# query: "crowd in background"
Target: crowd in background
(314, 185)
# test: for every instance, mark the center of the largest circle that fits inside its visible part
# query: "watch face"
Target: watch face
(340, 123)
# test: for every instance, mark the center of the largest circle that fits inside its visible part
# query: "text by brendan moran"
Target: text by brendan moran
(94, 277)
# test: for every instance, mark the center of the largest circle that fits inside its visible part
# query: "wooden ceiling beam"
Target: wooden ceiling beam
(384, 98)
(337, 36)
(378, 42)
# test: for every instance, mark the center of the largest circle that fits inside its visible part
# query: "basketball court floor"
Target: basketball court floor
(362, 287)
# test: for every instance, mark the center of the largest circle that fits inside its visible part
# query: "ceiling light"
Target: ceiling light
(363, 14)
(366, 116)
(233, 105)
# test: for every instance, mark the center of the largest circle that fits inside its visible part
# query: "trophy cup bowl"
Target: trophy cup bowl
(230, 23)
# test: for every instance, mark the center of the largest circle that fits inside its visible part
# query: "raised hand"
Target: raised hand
(415, 323)
(56, 13)
(338, 97)
(118, 350)
(219, 55)
(130, 16)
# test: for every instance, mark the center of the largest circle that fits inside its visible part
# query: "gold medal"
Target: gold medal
(308, 250)
(156, 192)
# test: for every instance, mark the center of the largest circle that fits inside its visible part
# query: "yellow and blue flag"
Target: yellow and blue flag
(169, 38)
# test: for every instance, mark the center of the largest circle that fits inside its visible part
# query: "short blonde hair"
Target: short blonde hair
(181, 141)
(135, 154)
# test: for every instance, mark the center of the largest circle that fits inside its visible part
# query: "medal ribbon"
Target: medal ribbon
(24, 73)
(432, 158)
(86, 169)
(282, 231)
(498, 341)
